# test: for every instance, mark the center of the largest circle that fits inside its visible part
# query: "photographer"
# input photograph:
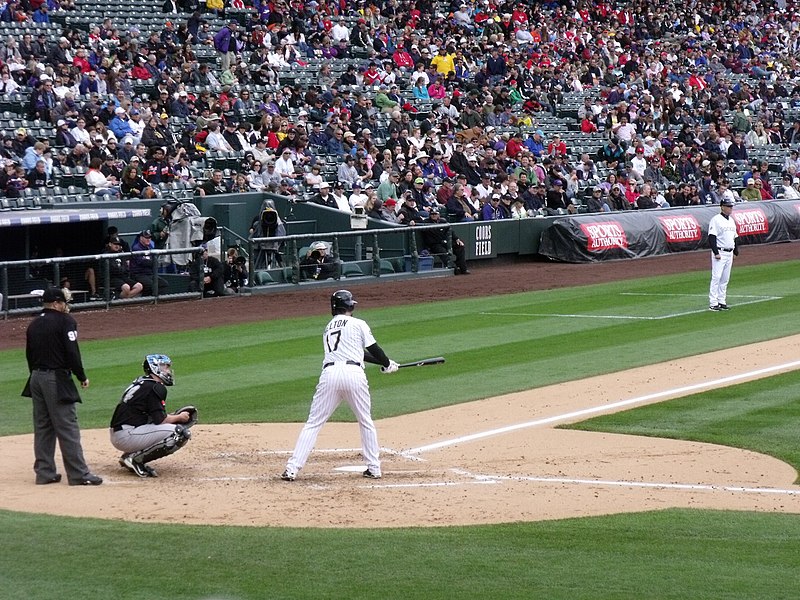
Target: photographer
(317, 264)
(211, 271)
(235, 271)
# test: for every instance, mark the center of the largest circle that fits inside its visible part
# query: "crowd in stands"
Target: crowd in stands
(479, 110)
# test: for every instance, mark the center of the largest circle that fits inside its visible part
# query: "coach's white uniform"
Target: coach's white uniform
(342, 378)
(724, 228)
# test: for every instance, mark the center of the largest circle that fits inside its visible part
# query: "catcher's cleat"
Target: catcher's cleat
(134, 466)
(151, 472)
(287, 476)
(370, 475)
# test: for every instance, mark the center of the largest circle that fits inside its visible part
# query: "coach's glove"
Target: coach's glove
(192, 415)
(392, 368)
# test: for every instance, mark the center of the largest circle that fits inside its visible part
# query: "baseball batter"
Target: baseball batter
(724, 242)
(344, 342)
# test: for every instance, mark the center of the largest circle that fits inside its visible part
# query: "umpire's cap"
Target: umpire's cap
(726, 202)
(54, 294)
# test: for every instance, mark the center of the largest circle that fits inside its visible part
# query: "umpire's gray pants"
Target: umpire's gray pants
(55, 420)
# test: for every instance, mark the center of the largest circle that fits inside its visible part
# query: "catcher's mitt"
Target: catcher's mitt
(192, 414)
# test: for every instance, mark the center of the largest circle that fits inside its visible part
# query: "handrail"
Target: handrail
(56, 262)
(292, 242)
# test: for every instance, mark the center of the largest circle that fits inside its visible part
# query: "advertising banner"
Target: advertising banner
(636, 234)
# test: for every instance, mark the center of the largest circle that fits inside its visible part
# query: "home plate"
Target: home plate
(350, 469)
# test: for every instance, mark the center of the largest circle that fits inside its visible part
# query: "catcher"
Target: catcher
(141, 427)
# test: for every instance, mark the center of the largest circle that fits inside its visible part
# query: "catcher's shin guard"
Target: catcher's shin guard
(167, 446)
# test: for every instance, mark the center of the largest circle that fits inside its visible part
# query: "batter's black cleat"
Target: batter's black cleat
(45, 480)
(715, 308)
(723, 307)
(287, 476)
(137, 467)
(151, 472)
(88, 479)
(370, 475)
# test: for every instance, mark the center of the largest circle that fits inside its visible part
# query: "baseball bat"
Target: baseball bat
(425, 361)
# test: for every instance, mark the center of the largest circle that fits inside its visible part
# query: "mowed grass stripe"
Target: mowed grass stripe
(762, 415)
(671, 554)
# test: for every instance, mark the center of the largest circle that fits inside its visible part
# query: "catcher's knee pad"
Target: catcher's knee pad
(169, 445)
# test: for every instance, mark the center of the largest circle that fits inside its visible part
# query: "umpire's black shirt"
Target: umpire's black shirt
(52, 343)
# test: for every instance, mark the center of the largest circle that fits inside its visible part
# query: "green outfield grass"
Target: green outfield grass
(266, 372)
(674, 554)
(762, 415)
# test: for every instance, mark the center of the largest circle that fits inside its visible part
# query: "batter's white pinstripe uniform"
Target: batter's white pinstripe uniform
(723, 228)
(342, 378)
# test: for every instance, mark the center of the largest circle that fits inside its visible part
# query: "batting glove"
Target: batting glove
(392, 368)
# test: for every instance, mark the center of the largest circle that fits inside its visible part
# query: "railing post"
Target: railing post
(450, 257)
(376, 256)
(295, 261)
(107, 281)
(56, 274)
(414, 253)
(4, 289)
(251, 269)
(155, 279)
(336, 258)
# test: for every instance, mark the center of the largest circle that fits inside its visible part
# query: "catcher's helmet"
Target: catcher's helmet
(159, 365)
(341, 302)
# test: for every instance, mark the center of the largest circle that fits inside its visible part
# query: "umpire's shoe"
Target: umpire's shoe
(371, 475)
(88, 479)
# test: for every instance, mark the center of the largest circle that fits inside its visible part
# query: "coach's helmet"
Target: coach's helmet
(342, 302)
(726, 202)
(159, 365)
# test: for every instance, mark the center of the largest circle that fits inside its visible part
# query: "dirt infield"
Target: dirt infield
(499, 459)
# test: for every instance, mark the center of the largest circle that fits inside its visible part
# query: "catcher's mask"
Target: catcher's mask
(342, 302)
(159, 365)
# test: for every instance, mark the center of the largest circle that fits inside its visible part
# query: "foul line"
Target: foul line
(637, 484)
(627, 317)
(679, 391)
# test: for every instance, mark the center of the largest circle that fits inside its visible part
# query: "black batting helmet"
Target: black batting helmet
(342, 301)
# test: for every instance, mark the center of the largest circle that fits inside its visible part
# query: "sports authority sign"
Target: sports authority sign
(681, 228)
(634, 234)
(604, 235)
(750, 221)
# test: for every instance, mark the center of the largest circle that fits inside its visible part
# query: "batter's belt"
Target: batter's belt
(727, 249)
(347, 362)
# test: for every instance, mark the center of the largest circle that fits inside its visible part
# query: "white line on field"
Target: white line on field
(320, 451)
(756, 300)
(637, 484)
(679, 391)
(696, 295)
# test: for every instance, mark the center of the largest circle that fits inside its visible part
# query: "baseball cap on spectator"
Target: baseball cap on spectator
(146, 233)
(182, 93)
(419, 180)
(390, 203)
(61, 122)
(115, 240)
(119, 110)
(751, 181)
(164, 115)
(135, 111)
(324, 185)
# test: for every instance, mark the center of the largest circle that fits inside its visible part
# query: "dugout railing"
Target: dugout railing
(23, 296)
(357, 253)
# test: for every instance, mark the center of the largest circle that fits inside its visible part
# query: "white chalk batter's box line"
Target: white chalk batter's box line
(384, 450)
(747, 300)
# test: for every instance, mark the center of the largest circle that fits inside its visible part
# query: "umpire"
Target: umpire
(53, 356)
